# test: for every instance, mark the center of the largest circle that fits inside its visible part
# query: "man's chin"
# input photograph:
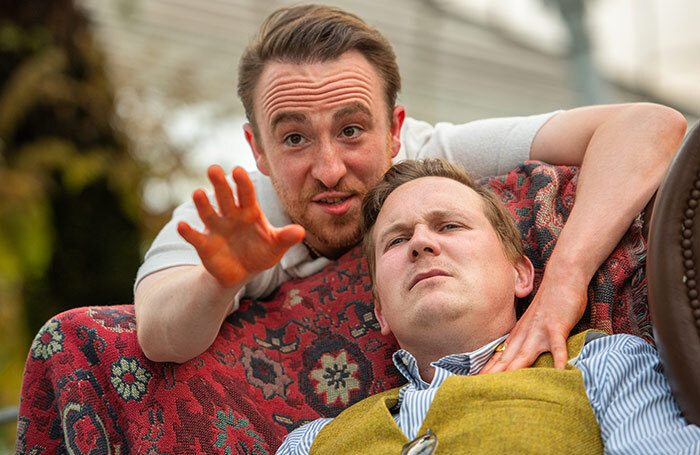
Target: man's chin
(335, 232)
(337, 239)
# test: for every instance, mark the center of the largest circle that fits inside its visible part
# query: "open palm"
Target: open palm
(238, 241)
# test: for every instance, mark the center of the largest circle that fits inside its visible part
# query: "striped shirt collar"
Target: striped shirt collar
(469, 363)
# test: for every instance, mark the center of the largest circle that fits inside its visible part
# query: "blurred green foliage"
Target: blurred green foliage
(70, 207)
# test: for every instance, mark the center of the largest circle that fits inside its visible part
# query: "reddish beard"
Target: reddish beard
(334, 231)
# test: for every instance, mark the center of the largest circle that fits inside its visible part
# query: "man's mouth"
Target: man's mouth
(333, 200)
(334, 203)
(425, 275)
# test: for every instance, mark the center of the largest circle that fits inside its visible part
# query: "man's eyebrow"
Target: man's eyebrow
(352, 109)
(389, 231)
(287, 117)
(431, 216)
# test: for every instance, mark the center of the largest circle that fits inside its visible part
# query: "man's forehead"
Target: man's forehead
(426, 198)
(349, 79)
(433, 192)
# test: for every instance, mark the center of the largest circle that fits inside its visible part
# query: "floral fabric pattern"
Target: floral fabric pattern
(264, 373)
(48, 341)
(117, 321)
(130, 378)
(241, 432)
(335, 378)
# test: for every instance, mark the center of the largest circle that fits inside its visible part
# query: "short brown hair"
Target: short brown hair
(311, 34)
(406, 171)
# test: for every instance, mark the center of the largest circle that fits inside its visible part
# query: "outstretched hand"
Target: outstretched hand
(544, 327)
(238, 241)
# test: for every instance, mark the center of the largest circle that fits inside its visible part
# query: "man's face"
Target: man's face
(440, 265)
(324, 139)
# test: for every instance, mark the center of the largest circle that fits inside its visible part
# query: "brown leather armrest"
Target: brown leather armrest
(673, 263)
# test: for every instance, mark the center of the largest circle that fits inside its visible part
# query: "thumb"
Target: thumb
(289, 236)
(559, 354)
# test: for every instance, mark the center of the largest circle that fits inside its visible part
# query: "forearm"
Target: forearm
(179, 312)
(624, 163)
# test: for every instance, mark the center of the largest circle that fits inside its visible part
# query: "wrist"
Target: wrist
(214, 291)
(563, 271)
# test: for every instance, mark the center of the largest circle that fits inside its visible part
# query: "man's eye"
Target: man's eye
(351, 131)
(294, 139)
(450, 226)
(395, 241)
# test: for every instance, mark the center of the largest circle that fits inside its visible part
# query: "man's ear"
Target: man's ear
(524, 277)
(383, 326)
(260, 158)
(397, 119)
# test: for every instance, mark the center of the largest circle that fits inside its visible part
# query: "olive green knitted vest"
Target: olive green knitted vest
(535, 410)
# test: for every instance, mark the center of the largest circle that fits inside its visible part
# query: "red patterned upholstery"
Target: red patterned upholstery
(310, 350)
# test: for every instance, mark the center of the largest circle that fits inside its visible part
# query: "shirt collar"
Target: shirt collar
(465, 364)
(297, 262)
(297, 254)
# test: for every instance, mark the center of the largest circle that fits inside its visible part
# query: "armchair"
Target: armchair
(309, 350)
(674, 260)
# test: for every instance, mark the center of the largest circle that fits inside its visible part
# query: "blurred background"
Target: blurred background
(111, 111)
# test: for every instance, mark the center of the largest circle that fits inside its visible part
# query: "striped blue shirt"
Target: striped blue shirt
(623, 378)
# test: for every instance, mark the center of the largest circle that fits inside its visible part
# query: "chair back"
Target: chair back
(673, 275)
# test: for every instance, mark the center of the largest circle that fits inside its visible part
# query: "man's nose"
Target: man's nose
(423, 242)
(328, 167)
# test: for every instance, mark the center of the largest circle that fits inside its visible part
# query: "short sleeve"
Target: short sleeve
(484, 147)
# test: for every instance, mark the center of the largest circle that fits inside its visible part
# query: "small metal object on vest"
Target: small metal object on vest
(423, 445)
